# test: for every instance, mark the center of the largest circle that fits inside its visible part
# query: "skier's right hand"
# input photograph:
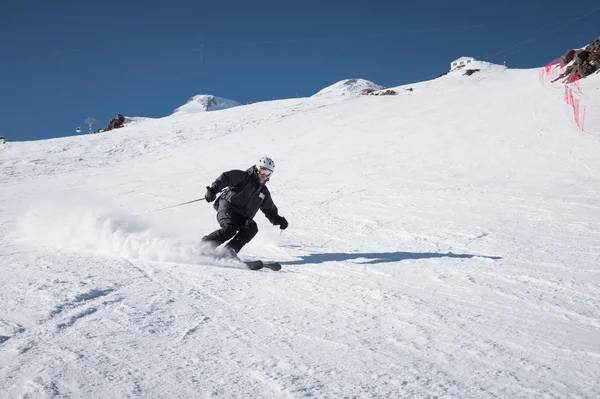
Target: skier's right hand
(210, 194)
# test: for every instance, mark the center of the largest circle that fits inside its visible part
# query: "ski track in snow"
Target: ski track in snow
(442, 243)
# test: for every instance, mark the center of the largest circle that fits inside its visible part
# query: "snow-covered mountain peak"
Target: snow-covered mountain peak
(352, 87)
(204, 103)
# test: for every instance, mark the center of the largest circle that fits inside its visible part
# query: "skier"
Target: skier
(245, 192)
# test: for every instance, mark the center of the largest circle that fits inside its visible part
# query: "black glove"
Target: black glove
(282, 223)
(210, 194)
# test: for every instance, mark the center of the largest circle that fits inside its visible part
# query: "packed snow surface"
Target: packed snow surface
(442, 243)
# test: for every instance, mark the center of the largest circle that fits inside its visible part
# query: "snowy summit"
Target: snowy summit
(348, 87)
(204, 103)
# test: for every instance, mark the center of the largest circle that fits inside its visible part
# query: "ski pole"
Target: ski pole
(173, 206)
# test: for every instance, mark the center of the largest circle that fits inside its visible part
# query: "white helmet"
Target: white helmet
(267, 163)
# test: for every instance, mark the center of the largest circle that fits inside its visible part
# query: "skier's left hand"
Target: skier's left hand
(210, 194)
(283, 224)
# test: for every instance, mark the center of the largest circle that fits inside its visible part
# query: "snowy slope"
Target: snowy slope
(443, 243)
(205, 102)
(589, 101)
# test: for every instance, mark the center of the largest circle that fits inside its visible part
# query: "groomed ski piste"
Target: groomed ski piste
(442, 243)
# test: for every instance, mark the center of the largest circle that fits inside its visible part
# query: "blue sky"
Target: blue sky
(64, 61)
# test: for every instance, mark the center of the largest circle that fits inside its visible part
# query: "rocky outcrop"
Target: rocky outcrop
(383, 92)
(567, 57)
(470, 72)
(581, 63)
(114, 123)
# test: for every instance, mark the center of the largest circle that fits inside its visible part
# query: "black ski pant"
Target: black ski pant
(233, 225)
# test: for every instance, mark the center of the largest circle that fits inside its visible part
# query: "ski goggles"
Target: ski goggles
(264, 172)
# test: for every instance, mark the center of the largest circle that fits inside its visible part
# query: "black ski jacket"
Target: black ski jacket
(244, 194)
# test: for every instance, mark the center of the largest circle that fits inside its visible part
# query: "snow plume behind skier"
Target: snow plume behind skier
(243, 193)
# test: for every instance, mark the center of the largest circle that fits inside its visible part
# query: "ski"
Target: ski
(254, 264)
(275, 266)
(250, 264)
(259, 264)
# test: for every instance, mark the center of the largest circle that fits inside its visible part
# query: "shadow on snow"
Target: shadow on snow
(379, 257)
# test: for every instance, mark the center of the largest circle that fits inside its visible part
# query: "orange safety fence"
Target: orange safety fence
(549, 73)
(573, 96)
